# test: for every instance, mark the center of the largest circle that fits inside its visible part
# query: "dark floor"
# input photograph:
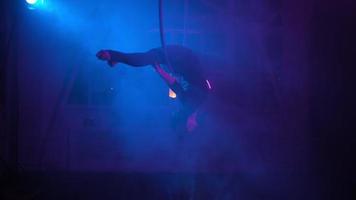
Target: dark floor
(89, 185)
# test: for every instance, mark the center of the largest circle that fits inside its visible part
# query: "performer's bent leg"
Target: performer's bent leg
(133, 59)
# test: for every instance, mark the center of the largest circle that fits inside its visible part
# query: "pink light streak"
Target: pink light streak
(209, 86)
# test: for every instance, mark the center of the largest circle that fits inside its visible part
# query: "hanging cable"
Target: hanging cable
(162, 34)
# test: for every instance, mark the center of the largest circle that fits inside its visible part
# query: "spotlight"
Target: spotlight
(32, 4)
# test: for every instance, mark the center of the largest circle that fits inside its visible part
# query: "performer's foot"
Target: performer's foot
(103, 55)
(106, 56)
(111, 63)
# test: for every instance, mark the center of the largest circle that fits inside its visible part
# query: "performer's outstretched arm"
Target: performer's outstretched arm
(170, 80)
(134, 59)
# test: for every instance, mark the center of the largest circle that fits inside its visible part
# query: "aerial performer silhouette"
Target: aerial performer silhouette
(181, 69)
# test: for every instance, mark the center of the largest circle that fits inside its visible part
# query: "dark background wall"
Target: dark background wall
(331, 82)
